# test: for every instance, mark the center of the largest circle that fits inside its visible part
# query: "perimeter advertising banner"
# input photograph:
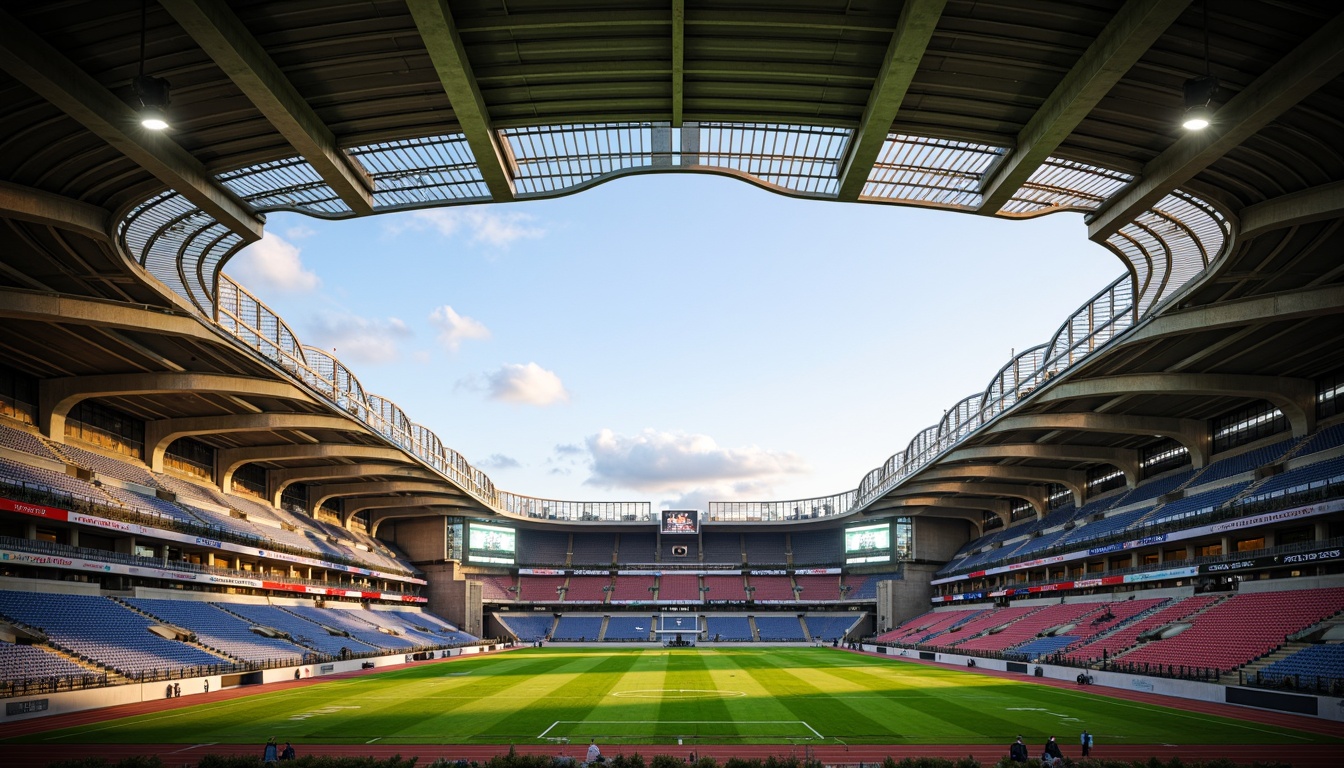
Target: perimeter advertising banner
(1240, 523)
(9, 556)
(681, 521)
(136, 529)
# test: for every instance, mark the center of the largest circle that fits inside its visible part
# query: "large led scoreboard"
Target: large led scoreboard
(490, 544)
(868, 544)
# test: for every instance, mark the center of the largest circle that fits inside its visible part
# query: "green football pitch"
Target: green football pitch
(721, 696)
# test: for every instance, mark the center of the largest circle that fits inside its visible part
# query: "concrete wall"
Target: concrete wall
(905, 598)
(454, 597)
(49, 585)
(422, 539)
(937, 539)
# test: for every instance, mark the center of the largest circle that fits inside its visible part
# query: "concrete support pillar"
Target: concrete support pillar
(74, 537)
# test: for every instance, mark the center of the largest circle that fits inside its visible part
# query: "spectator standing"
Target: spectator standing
(1052, 749)
(1086, 740)
(288, 752)
(1017, 751)
(594, 754)
(268, 755)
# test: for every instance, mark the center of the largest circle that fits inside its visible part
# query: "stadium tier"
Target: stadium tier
(528, 628)
(577, 628)
(633, 589)
(1155, 487)
(780, 629)
(825, 628)
(221, 631)
(629, 628)
(105, 633)
(594, 548)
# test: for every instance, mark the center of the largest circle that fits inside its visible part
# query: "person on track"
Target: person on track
(1052, 749)
(594, 754)
(1017, 751)
(269, 754)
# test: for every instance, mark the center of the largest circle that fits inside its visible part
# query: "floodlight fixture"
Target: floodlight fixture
(1200, 91)
(151, 93)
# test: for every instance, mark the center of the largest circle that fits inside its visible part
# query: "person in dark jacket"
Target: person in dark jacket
(1017, 751)
(288, 752)
(1052, 749)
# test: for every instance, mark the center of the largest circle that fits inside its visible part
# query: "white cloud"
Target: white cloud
(272, 264)
(299, 232)
(700, 496)
(358, 339)
(497, 461)
(481, 226)
(527, 384)
(676, 462)
(455, 328)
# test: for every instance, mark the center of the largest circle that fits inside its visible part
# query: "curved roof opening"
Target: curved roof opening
(678, 338)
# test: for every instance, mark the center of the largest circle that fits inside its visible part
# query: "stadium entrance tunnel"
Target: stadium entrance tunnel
(235, 681)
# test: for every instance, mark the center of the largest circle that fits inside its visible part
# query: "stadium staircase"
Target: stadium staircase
(1187, 618)
(113, 676)
(755, 633)
(1235, 677)
(1298, 641)
(602, 633)
(1119, 625)
(181, 631)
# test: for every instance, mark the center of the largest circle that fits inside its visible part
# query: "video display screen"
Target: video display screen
(490, 544)
(868, 544)
(681, 521)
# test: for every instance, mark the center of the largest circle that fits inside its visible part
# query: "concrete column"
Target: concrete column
(30, 531)
(74, 537)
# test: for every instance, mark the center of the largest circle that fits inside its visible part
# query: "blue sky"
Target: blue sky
(675, 338)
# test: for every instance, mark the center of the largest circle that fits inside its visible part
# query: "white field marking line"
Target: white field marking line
(679, 722)
(193, 746)
(1239, 723)
(370, 741)
(179, 713)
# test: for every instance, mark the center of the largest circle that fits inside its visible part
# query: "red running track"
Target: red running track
(175, 755)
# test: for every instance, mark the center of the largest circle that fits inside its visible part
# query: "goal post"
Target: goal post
(684, 624)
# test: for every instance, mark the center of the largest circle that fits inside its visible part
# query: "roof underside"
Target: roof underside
(1007, 107)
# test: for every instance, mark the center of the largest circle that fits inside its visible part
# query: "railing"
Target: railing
(1327, 685)
(1104, 317)
(1166, 247)
(576, 511)
(29, 686)
(64, 550)
(782, 511)
(42, 495)
(1332, 488)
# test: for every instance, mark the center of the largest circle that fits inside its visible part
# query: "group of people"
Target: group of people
(1053, 755)
(272, 753)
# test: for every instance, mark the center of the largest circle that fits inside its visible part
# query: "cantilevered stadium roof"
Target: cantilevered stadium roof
(116, 237)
